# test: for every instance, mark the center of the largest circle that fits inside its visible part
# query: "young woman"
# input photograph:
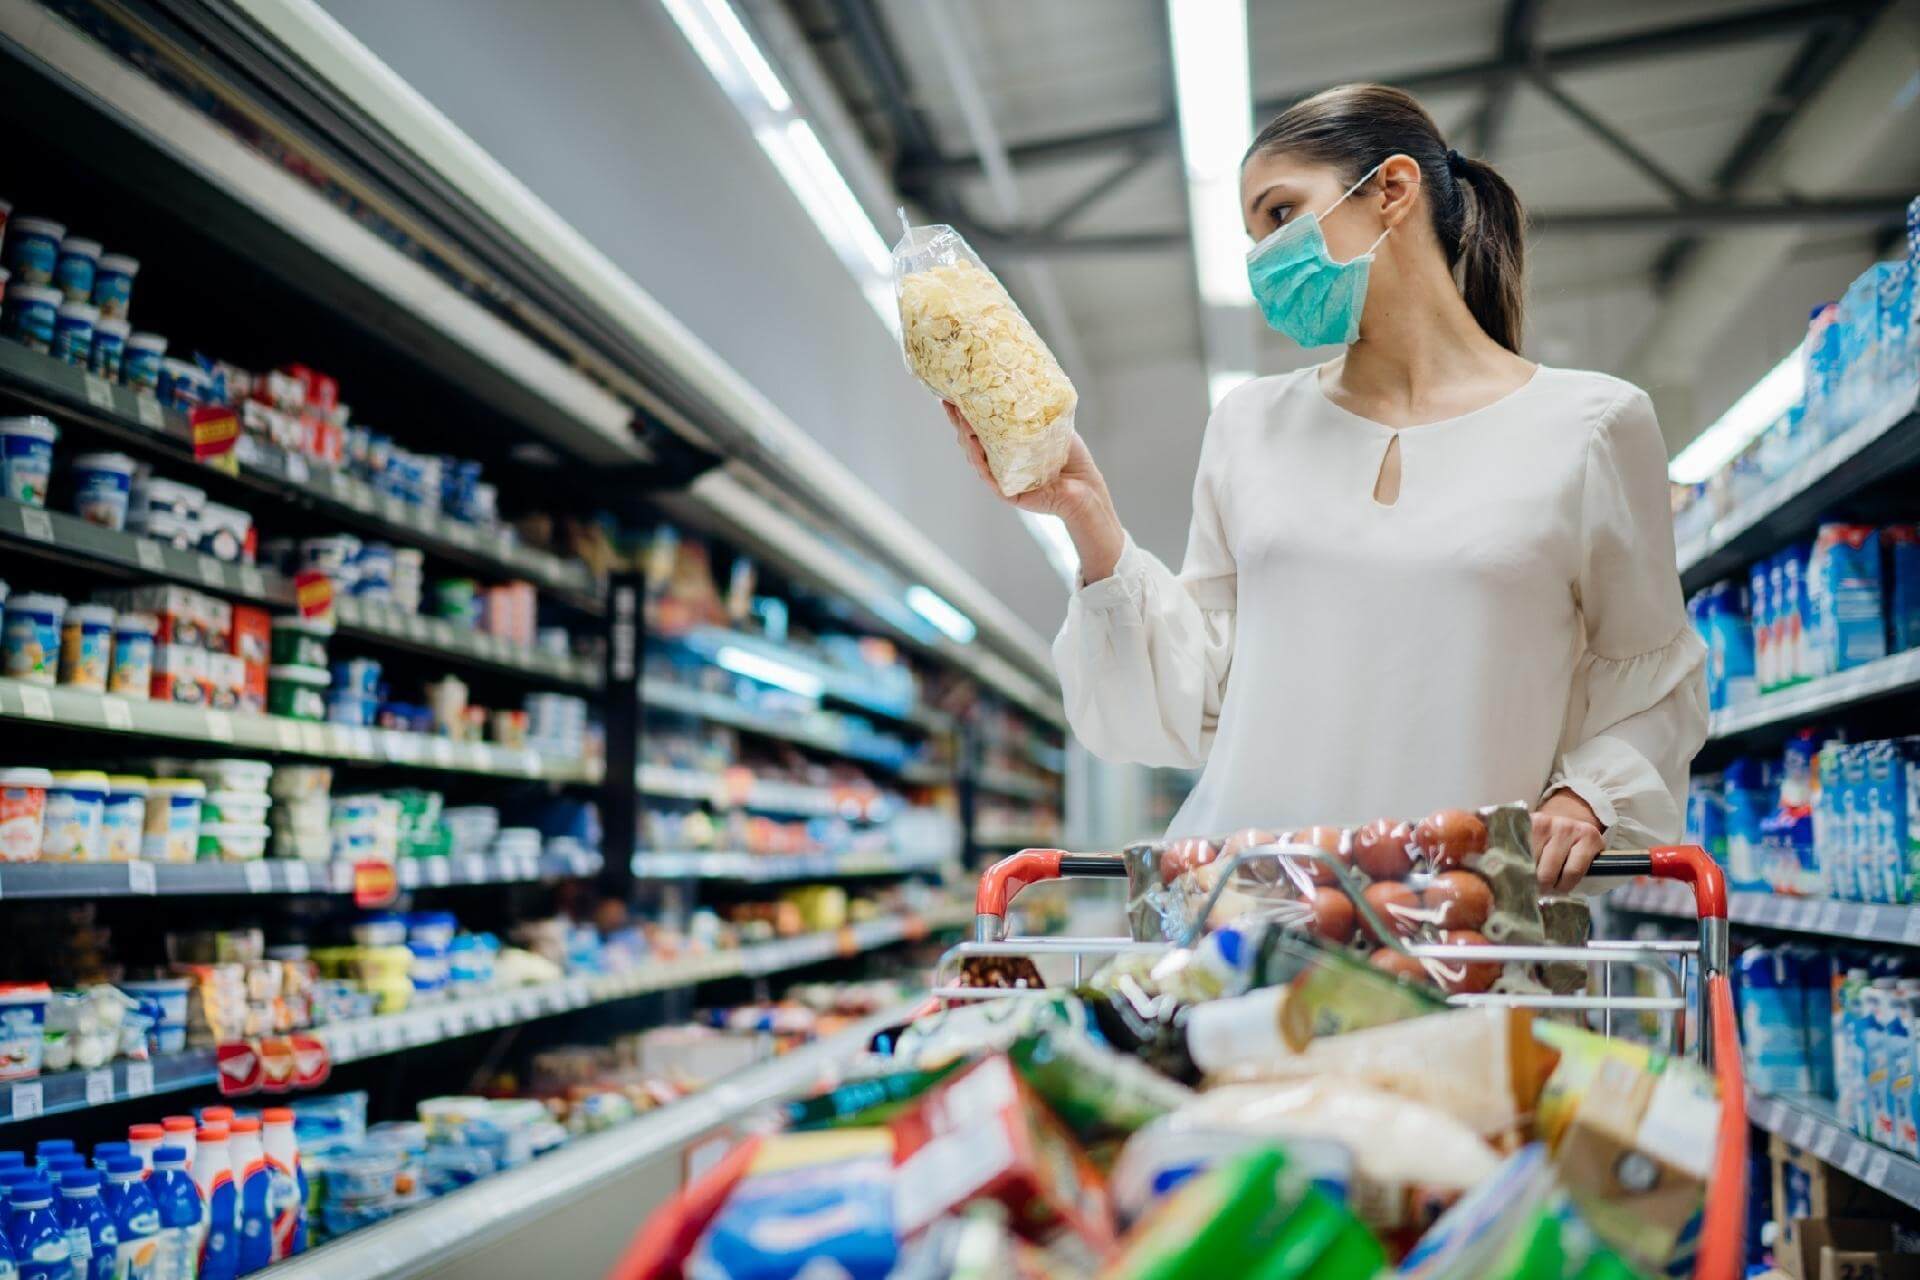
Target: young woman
(1427, 573)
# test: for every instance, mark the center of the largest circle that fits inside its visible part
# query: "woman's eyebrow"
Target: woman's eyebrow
(1253, 205)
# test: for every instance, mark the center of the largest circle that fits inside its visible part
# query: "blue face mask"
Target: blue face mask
(1302, 291)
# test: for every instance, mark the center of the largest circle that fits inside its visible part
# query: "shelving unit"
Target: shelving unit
(1893, 675)
(715, 708)
(1810, 1124)
(775, 868)
(123, 1081)
(1822, 917)
(51, 880)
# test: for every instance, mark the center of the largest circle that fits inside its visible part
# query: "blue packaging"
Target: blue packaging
(1855, 831)
(1794, 630)
(140, 364)
(31, 311)
(1749, 797)
(73, 333)
(1844, 581)
(1773, 1034)
(33, 249)
(1901, 544)
(1835, 871)
(1821, 353)
(1730, 656)
(39, 1239)
(26, 459)
(92, 1237)
(177, 1201)
(109, 349)
(113, 284)
(1786, 851)
(74, 268)
(1899, 367)
(1707, 816)
(136, 1218)
(1766, 663)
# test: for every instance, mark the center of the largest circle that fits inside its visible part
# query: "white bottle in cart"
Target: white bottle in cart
(1903, 1034)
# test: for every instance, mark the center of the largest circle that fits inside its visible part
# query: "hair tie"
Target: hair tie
(1455, 162)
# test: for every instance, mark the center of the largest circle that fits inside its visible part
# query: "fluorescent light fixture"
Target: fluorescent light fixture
(957, 626)
(1211, 85)
(754, 666)
(1051, 533)
(723, 43)
(1221, 381)
(1743, 422)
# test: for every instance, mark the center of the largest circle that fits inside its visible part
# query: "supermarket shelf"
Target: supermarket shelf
(1810, 1124)
(68, 391)
(40, 880)
(662, 782)
(392, 1033)
(81, 709)
(840, 685)
(442, 639)
(1874, 448)
(1825, 917)
(774, 868)
(718, 708)
(58, 534)
(438, 1235)
(1898, 673)
(1016, 785)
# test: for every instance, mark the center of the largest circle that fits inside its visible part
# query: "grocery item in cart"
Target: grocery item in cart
(807, 1200)
(964, 337)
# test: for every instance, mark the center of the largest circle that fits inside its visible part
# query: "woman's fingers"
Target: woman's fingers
(1585, 848)
(1551, 858)
(1563, 850)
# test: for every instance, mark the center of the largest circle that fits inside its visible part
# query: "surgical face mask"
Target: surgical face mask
(1302, 291)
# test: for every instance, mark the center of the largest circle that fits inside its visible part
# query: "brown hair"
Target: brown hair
(1476, 215)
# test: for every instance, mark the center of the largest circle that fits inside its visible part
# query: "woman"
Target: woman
(1427, 573)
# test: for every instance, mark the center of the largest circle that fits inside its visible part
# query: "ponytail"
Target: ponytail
(1492, 253)
(1476, 216)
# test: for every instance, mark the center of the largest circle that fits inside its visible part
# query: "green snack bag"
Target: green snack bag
(1097, 1093)
(870, 1101)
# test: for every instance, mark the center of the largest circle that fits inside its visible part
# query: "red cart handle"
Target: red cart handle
(1003, 881)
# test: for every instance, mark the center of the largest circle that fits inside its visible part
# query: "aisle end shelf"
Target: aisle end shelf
(1810, 1124)
(1824, 917)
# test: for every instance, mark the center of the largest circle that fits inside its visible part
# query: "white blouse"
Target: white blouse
(1511, 625)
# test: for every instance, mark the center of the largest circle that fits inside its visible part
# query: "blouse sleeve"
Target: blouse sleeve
(1143, 654)
(1639, 706)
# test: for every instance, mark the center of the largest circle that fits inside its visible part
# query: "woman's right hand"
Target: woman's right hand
(1078, 495)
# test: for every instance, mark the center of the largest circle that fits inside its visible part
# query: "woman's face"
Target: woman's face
(1276, 188)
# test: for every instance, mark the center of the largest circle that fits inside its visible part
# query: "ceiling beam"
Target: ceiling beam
(1760, 23)
(1865, 212)
(1614, 140)
(1519, 29)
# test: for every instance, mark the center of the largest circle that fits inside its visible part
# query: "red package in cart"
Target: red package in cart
(985, 1134)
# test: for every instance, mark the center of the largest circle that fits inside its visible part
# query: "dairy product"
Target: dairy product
(178, 1203)
(287, 1196)
(213, 1177)
(137, 1253)
(253, 1185)
(39, 1239)
(93, 1238)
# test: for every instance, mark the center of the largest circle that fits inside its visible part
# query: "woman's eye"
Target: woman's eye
(1280, 213)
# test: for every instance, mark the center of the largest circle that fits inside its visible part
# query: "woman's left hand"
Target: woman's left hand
(1566, 839)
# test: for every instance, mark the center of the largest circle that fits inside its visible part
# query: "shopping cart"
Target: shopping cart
(1679, 971)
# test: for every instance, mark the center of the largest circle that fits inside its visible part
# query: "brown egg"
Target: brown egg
(1331, 839)
(1380, 849)
(1450, 836)
(1458, 900)
(1333, 915)
(1457, 976)
(1394, 903)
(1240, 841)
(1178, 858)
(1400, 965)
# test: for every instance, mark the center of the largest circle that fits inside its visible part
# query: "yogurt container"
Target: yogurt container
(131, 674)
(86, 646)
(126, 817)
(302, 782)
(73, 332)
(75, 266)
(109, 348)
(76, 817)
(32, 639)
(232, 842)
(33, 249)
(23, 812)
(298, 693)
(113, 284)
(173, 819)
(31, 312)
(26, 459)
(235, 808)
(301, 641)
(101, 483)
(141, 366)
(23, 1027)
(225, 531)
(183, 385)
(171, 995)
(245, 777)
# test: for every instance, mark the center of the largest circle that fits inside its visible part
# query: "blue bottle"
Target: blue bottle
(253, 1194)
(103, 1150)
(39, 1240)
(51, 1147)
(92, 1237)
(135, 1218)
(12, 1160)
(9, 1179)
(60, 1164)
(179, 1203)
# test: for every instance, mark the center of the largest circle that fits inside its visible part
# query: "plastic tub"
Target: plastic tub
(235, 808)
(299, 693)
(183, 385)
(233, 841)
(23, 1028)
(301, 781)
(171, 994)
(101, 483)
(141, 366)
(109, 348)
(354, 710)
(113, 284)
(86, 646)
(300, 641)
(131, 675)
(173, 819)
(32, 638)
(249, 777)
(32, 311)
(433, 929)
(126, 817)
(33, 249)
(76, 817)
(26, 459)
(75, 267)
(173, 497)
(383, 930)
(73, 332)
(225, 531)
(23, 812)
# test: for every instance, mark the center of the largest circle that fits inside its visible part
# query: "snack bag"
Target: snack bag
(965, 339)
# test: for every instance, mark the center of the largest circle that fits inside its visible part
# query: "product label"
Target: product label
(215, 430)
(22, 811)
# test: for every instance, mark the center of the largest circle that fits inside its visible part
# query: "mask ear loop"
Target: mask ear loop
(1321, 216)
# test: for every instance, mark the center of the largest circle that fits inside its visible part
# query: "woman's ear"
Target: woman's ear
(1399, 189)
